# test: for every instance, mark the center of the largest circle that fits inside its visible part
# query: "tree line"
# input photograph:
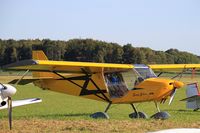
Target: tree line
(89, 50)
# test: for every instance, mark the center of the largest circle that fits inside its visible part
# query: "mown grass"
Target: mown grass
(62, 106)
(58, 108)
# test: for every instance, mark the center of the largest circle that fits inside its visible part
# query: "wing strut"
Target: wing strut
(100, 91)
(181, 73)
(159, 74)
(22, 77)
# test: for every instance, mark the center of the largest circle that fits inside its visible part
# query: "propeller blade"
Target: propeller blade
(172, 96)
(10, 112)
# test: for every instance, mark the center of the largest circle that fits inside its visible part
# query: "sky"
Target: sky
(157, 24)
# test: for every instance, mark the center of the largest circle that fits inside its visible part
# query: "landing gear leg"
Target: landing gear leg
(107, 107)
(160, 114)
(137, 114)
(157, 107)
(101, 115)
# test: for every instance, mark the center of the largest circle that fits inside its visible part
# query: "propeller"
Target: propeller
(176, 84)
(10, 112)
(172, 95)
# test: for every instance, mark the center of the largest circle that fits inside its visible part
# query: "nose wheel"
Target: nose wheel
(160, 114)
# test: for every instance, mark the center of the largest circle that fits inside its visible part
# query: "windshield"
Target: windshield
(145, 72)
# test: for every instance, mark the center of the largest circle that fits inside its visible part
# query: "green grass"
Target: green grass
(64, 113)
(61, 106)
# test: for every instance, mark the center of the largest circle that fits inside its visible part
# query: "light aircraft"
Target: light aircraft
(111, 83)
(6, 93)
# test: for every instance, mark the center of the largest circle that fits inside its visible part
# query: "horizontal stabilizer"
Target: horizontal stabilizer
(192, 98)
(27, 81)
(22, 102)
(22, 81)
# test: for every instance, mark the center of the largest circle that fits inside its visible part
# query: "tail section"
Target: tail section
(192, 90)
(39, 55)
(193, 97)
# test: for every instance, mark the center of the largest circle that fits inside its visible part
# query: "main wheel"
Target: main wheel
(100, 115)
(138, 115)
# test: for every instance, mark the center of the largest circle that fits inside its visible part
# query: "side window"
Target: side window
(116, 86)
(120, 82)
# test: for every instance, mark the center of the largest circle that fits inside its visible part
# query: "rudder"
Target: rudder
(192, 90)
(40, 55)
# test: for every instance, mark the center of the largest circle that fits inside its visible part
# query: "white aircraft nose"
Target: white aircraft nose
(9, 91)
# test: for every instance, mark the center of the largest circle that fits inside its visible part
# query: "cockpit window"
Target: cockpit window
(144, 71)
(119, 83)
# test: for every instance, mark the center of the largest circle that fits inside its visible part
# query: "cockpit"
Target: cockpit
(144, 71)
(119, 83)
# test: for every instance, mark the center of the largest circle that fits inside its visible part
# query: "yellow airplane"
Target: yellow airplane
(111, 83)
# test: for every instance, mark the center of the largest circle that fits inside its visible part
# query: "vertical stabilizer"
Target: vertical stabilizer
(192, 90)
(39, 55)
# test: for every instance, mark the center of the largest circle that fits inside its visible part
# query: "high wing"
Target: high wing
(89, 67)
(22, 102)
(66, 66)
(174, 67)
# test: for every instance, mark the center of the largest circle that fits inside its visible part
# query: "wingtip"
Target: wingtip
(37, 99)
(19, 63)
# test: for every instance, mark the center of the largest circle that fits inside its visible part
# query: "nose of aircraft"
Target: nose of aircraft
(9, 90)
(178, 84)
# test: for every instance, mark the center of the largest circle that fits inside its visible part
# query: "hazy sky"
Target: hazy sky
(158, 24)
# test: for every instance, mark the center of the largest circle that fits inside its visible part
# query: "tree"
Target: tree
(91, 51)
(10, 55)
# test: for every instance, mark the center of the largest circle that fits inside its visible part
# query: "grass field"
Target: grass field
(63, 113)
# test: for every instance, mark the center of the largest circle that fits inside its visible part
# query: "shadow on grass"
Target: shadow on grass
(181, 110)
(58, 116)
(51, 116)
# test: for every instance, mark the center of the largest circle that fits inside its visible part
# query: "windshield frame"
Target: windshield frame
(144, 71)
